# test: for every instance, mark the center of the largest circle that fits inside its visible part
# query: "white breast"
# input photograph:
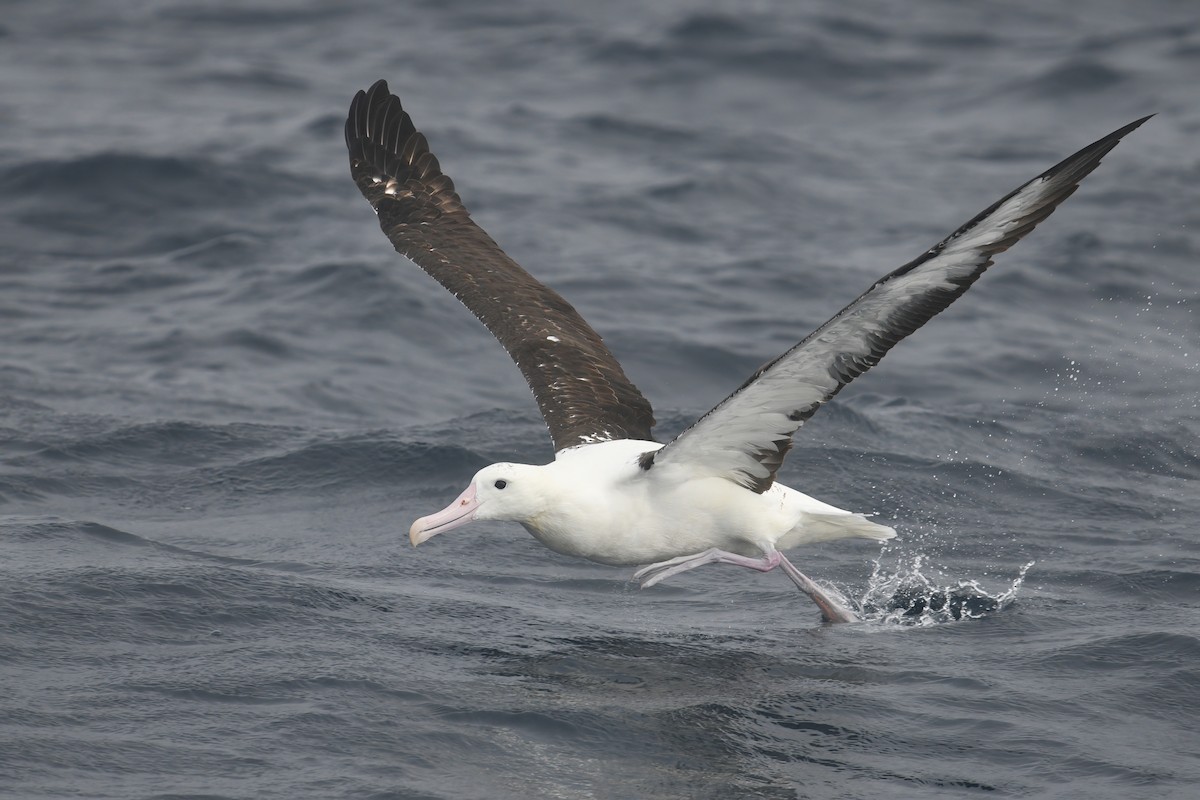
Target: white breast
(608, 509)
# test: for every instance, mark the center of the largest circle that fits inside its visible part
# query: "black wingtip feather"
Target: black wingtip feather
(1078, 165)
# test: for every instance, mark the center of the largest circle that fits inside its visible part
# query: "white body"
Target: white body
(596, 502)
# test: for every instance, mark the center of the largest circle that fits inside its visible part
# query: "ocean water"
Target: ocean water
(223, 399)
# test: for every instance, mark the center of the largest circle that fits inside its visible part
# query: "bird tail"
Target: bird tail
(825, 527)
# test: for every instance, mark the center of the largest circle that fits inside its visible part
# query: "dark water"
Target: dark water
(223, 398)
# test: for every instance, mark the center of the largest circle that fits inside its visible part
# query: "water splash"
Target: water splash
(909, 597)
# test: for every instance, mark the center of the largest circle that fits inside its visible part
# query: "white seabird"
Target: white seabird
(612, 494)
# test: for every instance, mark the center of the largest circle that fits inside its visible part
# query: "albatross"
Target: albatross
(613, 494)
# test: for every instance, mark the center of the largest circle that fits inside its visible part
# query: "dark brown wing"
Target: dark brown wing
(746, 437)
(580, 388)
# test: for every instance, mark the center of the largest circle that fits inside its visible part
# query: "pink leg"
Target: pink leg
(831, 609)
(664, 569)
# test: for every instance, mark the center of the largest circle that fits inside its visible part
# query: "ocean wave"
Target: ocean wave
(133, 183)
(1071, 77)
(827, 48)
(1125, 652)
(128, 204)
(176, 459)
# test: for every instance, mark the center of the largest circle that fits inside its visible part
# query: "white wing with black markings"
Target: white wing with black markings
(746, 437)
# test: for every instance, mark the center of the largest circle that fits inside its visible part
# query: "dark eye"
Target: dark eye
(501, 484)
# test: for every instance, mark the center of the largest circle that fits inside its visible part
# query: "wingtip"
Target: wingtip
(1110, 141)
(1137, 123)
(379, 89)
(1074, 168)
(364, 99)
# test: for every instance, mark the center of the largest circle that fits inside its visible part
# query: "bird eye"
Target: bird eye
(501, 484)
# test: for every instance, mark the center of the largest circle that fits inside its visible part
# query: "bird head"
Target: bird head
(504, 491)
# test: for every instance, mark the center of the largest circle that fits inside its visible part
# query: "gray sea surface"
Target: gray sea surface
(224, 398)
